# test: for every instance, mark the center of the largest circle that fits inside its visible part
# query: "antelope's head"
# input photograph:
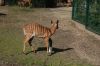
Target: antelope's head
(55, 24)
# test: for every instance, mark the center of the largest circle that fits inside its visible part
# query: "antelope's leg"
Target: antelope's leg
(30, 43)
(26, 39)
(50, 45)
(46, 40)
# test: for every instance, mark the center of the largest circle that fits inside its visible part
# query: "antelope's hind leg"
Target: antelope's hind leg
(30, 43)
(26, 39)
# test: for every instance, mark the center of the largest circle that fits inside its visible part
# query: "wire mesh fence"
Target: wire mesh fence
(87, 12)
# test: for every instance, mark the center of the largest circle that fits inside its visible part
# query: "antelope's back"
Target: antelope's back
(36, 29)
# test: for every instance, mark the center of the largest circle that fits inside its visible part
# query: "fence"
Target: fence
(87, 12)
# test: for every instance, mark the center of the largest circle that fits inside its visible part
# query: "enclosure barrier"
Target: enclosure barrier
(87, 12)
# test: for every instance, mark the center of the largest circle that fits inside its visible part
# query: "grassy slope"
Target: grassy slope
(11, 44)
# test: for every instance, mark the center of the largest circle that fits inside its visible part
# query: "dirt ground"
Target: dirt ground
(68, 42)
(86, 46)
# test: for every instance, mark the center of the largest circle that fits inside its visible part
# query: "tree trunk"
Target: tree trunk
(2, 2)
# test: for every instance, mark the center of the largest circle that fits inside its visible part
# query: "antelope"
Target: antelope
(36, 30)
(24, 3)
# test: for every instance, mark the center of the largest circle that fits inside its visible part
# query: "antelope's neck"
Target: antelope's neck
(53, 29)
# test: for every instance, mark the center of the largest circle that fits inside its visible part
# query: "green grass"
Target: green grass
(11, 44)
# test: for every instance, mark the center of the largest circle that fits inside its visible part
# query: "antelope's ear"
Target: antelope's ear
(57, 21)
(51, 21)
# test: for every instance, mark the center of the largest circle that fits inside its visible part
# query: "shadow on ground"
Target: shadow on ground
(2, 14)
(55, 50)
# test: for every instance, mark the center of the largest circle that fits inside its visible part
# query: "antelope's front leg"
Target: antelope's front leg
(50, 45)
(47, 44)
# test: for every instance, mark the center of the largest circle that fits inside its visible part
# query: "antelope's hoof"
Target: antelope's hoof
(49, 54)
(24, 53)
(34, 51)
